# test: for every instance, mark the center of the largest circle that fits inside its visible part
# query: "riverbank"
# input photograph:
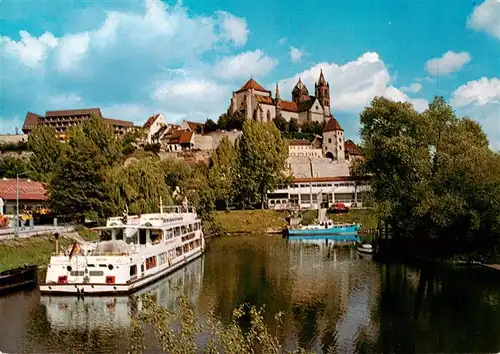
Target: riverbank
(34, 250)
(265, 221)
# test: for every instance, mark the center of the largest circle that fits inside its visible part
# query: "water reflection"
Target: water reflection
(330, 298)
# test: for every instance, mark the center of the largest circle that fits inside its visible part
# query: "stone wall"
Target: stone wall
(322, 167)
(203, 142)
(13, 138)
(218, 135)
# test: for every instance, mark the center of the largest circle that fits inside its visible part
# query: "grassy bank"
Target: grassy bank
(33, 250)
(249, 221)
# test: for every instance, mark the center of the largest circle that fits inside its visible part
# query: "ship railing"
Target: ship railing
(96, 254)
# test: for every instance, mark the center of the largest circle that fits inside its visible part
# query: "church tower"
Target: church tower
(322, 93)
(277, 100)
(300, 92)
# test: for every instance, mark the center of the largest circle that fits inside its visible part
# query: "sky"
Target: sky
(135, 58)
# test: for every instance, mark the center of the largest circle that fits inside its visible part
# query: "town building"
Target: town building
(62, 121)
(308, 193)
(255, 102)
(302, 148)
(30, 195)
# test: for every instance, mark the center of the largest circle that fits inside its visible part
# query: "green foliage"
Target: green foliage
(280, 123)
(223, 170)
(46, 151)
(433, 174)
(210, 126)
(11, 166)
(262, 154)
(229, 338)
(231, 121)
(131, 140)
(138, 186)
(13, 147)
(79, 189)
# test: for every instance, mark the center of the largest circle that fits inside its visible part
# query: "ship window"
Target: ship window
(142, 236)
(170, 233)
(178, 251)
(118, 234)
(156, 236)
(184, 229)
(105, 235)
(133, 270)
(177, 231)
(96, 273)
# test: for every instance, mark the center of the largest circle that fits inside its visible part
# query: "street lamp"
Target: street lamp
(17, 202)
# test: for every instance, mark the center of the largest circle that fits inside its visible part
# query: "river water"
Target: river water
(330, 298)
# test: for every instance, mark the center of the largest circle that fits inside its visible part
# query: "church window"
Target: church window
(269, 116)
(330, 140)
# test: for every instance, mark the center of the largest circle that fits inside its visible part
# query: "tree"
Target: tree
(210, 126)
(293, 126)
(138, 186)
(80, 189)
(222, 170)
(231, 121)
(433, 175)
(262, 155)
(12, 166)
(46, 151)
(280, 123)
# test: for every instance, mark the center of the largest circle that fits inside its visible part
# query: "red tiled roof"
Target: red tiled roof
(298, 142)
(74, 112)
(352, 148)
(252, 84)
(150, 121)
(288, 106)
(265, 99)
(194, 125)
(118, 122)
(185, 137)
(332, 125)
(27, 190)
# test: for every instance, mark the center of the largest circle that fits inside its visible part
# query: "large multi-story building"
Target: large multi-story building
(62, 121)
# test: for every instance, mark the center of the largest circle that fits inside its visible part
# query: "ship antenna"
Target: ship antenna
(161, 207)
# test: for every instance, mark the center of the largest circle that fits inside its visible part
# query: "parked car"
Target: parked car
(338, 208)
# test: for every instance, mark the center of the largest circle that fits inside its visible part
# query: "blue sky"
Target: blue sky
(136, 58)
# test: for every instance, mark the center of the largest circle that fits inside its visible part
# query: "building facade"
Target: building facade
(309, 193)
(255, 102)
(62, 121)
(302, 148)
(31, 195)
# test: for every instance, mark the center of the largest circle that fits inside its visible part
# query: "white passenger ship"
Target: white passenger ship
(133, 251)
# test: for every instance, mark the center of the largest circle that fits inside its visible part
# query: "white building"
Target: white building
(153, 126)
(305, 193)
(302, 148)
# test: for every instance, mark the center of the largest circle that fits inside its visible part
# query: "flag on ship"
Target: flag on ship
(73, 250)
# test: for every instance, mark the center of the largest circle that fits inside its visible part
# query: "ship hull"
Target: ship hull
(89, 289)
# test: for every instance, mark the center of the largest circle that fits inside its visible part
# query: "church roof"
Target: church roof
(252, 84)
(332, 125)
(288, 106)
(306, 105)
(321, 80)
(265, 99)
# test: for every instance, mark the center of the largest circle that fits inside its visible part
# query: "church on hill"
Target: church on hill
(255, 102)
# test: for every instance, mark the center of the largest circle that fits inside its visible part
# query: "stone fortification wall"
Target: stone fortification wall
(13, 138)
(218, 135)
(203, 142)
(322, 167)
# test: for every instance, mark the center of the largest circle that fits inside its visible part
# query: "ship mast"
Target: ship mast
(161, 207)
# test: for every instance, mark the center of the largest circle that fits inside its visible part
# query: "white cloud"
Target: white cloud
(449, 63)
(71, 49)
(480, 100)
(31, 51)
(295, 54)
(282, 40)
(414, 87)
(354, 84)
(244, 65)
(479, 92)
(486, 17)
(234, 28)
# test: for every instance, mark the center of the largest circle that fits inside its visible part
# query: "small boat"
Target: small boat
(365, 248)
(14, 279)
(327, 227)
